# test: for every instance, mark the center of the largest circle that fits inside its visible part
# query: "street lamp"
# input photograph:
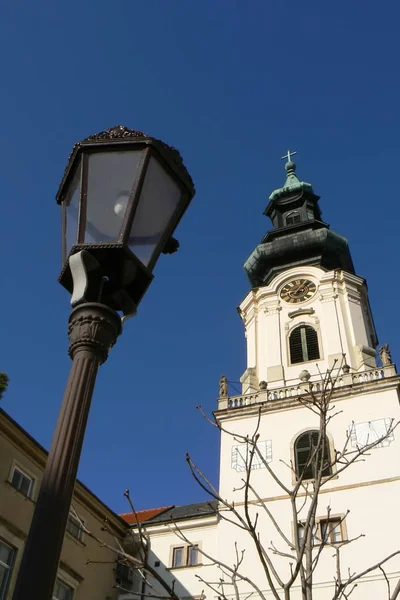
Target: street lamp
(122, 195)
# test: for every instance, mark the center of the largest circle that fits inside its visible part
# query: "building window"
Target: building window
(124, 575)
(177, 557)
(328, 531)
(303, 343)
(300, 534)
(7, 555)
(192, 555)
(22, 482)
(331, 530)
(74, 527)
(293, 218)
(185, 556)
(62, 591)
(309, 461)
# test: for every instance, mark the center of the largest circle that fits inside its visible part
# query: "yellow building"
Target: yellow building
(87, 571)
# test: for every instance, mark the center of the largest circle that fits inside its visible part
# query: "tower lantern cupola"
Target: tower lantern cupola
(299, 237)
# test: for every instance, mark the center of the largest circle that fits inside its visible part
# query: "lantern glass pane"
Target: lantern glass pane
(158, 201)
(71, 202)
(111, 176)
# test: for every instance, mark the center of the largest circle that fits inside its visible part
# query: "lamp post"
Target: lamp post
(122, 195)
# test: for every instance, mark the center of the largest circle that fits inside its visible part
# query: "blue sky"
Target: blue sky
(232, 85)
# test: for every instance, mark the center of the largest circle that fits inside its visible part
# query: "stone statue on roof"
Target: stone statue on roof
(385, 356)
(223, 387)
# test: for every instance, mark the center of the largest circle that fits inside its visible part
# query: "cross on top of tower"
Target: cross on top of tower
(288, 155)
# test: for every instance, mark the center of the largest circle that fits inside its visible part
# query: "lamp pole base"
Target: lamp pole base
(93, 330)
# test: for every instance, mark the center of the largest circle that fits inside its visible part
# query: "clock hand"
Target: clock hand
(298, 290)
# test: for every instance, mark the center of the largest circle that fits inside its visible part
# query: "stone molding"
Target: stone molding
(93, 327)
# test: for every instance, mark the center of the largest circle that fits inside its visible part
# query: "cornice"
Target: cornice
(271, 309)
(171, 526)
(281, 404)
(22, 440)
(327, 490)
(329, 297)
(346, 277)
(300, 311)
(74, 574)
(12, 528)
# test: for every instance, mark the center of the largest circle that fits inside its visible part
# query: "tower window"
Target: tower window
(303, 343)
(293, 218)
(309, 460)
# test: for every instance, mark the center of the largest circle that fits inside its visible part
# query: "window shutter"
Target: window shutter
(304, 446)
(303, 344)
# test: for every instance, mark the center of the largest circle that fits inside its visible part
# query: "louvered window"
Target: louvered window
(308, 459)
(303, 344)
(293, 218)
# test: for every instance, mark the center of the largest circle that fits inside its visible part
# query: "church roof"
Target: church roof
(173, 513)
(143, 515)
(187, 511)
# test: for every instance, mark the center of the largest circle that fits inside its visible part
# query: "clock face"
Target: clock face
(298, 290)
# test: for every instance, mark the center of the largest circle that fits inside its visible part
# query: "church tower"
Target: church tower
(307, 309)
(308, 314)
(307, 501)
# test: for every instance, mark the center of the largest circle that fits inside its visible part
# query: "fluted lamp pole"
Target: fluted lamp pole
(122, 195)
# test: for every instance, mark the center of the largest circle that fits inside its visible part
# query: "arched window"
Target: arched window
(309, 458)
(292, 218)
(303, 344)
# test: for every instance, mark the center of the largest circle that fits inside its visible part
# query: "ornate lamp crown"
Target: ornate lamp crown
(121, 133)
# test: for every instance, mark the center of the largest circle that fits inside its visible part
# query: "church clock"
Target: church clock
(298, 290)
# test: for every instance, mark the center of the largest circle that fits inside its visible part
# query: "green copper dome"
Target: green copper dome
(299, 235)
(291, 185)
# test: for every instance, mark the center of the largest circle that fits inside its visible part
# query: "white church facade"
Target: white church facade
(310, 338)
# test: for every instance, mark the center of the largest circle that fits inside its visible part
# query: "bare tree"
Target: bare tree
(133, 552)
(304, 551)
(3, 384)
(301, 552)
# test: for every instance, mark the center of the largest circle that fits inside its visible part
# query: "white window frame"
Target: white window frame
(78, 524)
(174, 550)
(189, 562)
(185, 556)
(338, 526)
(62, 581)
(26, 473)
(3, 592)
(317, 534)
(300, 533)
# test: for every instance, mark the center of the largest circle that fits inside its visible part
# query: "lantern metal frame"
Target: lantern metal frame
(126, 275)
